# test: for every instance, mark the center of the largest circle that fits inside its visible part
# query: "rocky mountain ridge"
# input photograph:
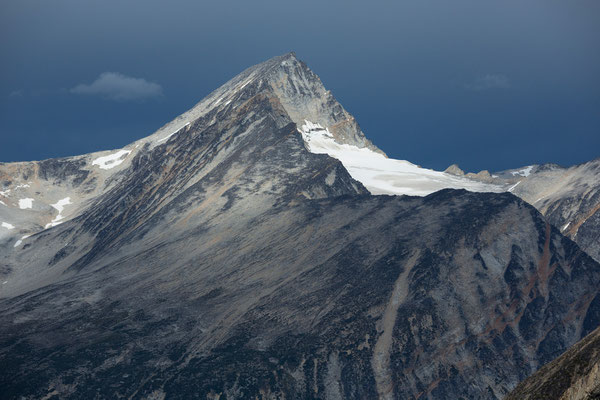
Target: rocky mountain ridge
(220, 258)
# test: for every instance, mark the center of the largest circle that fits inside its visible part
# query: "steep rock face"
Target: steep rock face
(569, 198)
(575, 375)
(220, 258)
(304, 98)
(457, 294)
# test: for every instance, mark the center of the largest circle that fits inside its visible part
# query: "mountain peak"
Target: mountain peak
(260, 70)
(228, 256)
(299, 90)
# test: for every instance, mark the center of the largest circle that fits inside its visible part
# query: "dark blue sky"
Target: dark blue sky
(485, 84)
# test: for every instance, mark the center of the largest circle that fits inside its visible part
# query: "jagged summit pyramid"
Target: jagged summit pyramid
(299, 91)
(239, 145)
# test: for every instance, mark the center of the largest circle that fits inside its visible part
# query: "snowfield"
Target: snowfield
(18, 242)
(382, 175)
(7, 225)
(523, 172)
(25, 203)
(60, 206)
(112, 160)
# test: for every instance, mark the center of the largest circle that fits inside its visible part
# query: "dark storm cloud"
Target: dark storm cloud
(116, 86)
(489, 81)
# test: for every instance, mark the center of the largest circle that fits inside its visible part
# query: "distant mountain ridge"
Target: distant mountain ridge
(569, 198)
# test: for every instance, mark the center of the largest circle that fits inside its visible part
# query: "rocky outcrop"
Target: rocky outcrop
(573, 376)
(482, 176)
(454, 169)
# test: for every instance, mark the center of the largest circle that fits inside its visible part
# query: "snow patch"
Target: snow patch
(25, 203)
(112, 160)
(60, 206)
(168, 136)
(382, 175)
(3, 203)
(510, 189)
(564, 228)
(21, 240)
(523, 172)
(7, 225)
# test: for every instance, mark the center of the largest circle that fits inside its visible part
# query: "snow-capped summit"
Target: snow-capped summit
(235, 253)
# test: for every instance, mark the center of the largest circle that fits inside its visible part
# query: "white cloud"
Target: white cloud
(119, 87)
(489, 81)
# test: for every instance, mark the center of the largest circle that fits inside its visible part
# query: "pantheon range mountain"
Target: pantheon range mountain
(251, 249)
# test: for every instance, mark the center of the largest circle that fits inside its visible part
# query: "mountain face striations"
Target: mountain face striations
(220, 258)
(573, 376)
